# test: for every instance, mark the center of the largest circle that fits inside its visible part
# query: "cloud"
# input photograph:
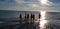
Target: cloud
(28, 5)
(55, 1)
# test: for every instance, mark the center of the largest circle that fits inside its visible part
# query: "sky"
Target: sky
(30, 5)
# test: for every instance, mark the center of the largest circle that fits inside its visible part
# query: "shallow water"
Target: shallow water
(52, 21)
(52, 24)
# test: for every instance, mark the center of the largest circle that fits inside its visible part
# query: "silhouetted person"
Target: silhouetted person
(33, 18)
(27, 16)
(20, 17)
(39, 16)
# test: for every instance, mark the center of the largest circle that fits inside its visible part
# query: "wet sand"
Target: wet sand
(51, 24)
(17, 25)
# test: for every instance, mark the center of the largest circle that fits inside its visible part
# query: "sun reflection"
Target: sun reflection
(43, 15)
(42, 20)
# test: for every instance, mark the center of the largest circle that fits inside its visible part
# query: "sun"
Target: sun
(43, 1)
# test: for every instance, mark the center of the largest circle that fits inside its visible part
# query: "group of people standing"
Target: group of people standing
(28, 17)
(32, 16)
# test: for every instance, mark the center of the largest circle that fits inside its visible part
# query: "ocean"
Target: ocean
(52, 19)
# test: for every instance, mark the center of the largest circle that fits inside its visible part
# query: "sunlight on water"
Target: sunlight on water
(42, 20)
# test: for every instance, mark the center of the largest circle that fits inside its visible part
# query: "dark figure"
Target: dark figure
(39, 16)
(31, 16)
(20, 17)
(27, 16)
